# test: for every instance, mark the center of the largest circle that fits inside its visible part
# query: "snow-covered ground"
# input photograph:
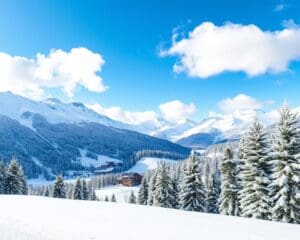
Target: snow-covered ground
(38, 218)
(121, 192)
(149, 163)
(101, 159)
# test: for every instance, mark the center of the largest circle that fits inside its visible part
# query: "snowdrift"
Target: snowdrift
(39, 218)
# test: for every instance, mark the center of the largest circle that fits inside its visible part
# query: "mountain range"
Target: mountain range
(216, 128)
(50, 137)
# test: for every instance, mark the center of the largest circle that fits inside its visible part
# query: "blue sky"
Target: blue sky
(129, 36)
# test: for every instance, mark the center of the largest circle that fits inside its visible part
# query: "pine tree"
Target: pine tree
(46, 192)
(113, 198)
(229, 196)
(14, 184)
(192, 194)
(106, 199)
(176, 191)
(285, 178)
(143, 192)
(151, 189)
(254, 196)
(24, 187)
(164, 192)
(2, 178)
(77, 191)
(241, 168)
(132, 198)
(213, 193)
(59, 190)
(85, 191)
(93, 196)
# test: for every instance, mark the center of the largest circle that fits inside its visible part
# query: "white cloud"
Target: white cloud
(119, 114)
(289, 23)
(239, 102)
(211, 50)
(279, 7)
(175, 111)
(60, 69)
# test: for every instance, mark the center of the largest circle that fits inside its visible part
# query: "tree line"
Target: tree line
(260, 179)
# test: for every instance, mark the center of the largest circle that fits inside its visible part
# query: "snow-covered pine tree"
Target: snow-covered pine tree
(164, 192)
(93, 196)
(241, 166)
(59, 190)
(113, 198)
(24, 187)
(77, 191)
(176, 191)
(106, 199)
(285, 178)
(2, 178)
(228, 202)
(132, 198)
(255, 177)
(14, 184)
(192, 193)
(213, 194)
(46, 192)
(143, 192)
(85, 191)
(152, 187)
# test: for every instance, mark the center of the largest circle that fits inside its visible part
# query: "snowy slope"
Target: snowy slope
(122, 193)
(149, 163)
(220, 127)
(100, 160)
(172, 131)
(37, 218)
(20, 108)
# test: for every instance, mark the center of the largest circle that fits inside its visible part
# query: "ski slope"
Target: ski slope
(149, 163)
(39, 218)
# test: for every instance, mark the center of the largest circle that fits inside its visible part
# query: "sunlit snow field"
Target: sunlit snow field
(40, 218)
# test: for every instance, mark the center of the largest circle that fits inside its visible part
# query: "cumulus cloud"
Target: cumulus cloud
(59, 69)
(239, 102)
(175, 111)
(209, 50)
(119, 114)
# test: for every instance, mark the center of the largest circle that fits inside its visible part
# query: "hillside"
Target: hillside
(35, 218)
(53, 138)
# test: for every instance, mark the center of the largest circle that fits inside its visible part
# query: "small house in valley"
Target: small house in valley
(130, 179)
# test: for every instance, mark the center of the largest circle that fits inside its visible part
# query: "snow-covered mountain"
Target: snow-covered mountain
(215, 128)
(223, 127)
(50, 137)
(21, 109)
(170, 131)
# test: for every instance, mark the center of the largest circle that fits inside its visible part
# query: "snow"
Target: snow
(149, 163)
(121, 192)
(35, 218)
(21, 108)
(101, 159)
(229, 124)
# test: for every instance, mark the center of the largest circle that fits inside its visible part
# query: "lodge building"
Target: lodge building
(130, 179)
